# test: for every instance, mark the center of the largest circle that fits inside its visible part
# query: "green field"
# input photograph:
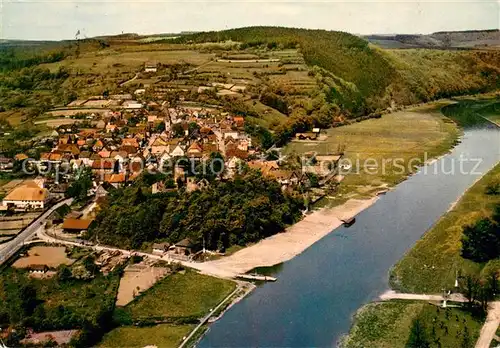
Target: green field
(433, 262)
(163, 335)
(181, 295)
(403, 136)
(388, 325)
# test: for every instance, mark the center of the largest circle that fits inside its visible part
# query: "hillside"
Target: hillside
(288, 80)
(444, 39)
(377, 73)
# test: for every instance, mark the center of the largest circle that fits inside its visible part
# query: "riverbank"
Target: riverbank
(297, 238)
(318, 292)
(395, 136)
(430, 266)
(388, 325)
(399, 143)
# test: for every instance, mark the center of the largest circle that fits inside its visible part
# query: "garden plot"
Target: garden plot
(44, 255)
(136, 279)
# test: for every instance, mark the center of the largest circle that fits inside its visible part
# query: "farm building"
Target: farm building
(40, 269)
(29, 195)
(160, 248)
(132, 104)
(71, 225)
(150, 67)
(184, 247)
(308, 136)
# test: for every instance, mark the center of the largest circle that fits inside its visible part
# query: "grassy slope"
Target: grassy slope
(388, 324)
(163, 335)
(181, 295)
(433, 262)
(404, 134)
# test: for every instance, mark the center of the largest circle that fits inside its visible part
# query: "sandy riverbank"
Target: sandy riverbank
(297, 238)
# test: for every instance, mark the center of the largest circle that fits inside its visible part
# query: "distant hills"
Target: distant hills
(443, 39)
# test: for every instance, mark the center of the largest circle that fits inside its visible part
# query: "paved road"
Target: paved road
(29, 232)
(490, 326)
(202, 267)
(392, 295)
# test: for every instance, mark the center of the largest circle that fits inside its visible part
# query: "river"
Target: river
(317, 292)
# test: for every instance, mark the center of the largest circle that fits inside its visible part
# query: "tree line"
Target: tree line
(233, 212)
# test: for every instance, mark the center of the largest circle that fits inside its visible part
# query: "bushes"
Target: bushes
(493, 188)
(481, 241)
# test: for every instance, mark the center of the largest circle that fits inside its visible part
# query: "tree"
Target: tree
(481, 241)
(193, 127)
(272, 155)
(160, 127)
(418, 337)
(64, 274)
(82, 184)
(496, 214)
(178, 130)
(493, 188)
(21, 301)
(469, 287)
(466, 339)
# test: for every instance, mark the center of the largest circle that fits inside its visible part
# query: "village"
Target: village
(121, 137)
(105, 143)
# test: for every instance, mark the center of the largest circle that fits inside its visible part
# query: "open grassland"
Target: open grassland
(388, 325)
(95, 71)
(373, 147)
(433, 262)
(181, 295)
(110, 59)
(163, 335)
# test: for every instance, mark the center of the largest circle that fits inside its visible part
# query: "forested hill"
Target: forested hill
(382, 77)
(346, 55)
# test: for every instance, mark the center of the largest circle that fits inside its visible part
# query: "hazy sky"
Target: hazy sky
(60, 19)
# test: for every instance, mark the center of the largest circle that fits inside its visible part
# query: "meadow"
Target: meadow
(161, 336)
(405, 135)
(181, 295)
(388, 325)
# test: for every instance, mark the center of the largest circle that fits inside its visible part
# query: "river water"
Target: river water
(317, 292)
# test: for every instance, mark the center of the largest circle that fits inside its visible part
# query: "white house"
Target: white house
(150, 67)
(177, 152)
(164, 159)
(230, 133)
(30, 195)
(131, 104)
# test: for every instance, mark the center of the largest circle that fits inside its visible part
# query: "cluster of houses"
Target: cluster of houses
(126, 136)
(165, 136)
